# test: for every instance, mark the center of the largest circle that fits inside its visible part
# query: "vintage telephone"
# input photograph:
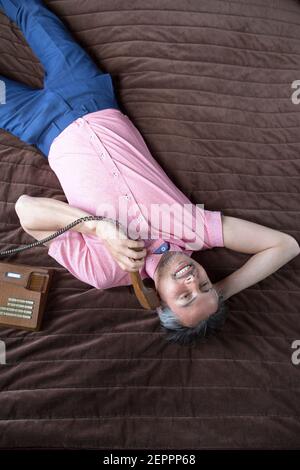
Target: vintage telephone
(24, 288)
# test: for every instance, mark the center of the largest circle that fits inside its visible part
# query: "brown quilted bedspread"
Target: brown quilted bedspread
(208, 84)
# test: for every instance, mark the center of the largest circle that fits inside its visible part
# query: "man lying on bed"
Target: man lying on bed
(102, 162)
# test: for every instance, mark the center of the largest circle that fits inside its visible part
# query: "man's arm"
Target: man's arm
(42, 213)
(41, 217)
(271, 249)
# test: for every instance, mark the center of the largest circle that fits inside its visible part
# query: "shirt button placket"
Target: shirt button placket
(123, 187)
(95, 143)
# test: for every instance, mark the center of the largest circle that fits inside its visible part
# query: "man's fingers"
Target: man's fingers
(135, 243)
(135, 254)
(135, 264)
(129, 264)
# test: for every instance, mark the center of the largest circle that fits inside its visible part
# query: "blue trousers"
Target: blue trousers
(73, 83)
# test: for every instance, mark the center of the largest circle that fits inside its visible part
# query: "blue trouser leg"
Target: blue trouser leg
(62, 57)
(19, 98)
(73, 85)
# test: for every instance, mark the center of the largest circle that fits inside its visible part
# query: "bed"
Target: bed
(208, 83)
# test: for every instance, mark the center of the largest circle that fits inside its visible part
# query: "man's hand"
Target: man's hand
(120, 247)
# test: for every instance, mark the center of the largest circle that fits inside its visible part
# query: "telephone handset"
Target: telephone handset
(147, 297)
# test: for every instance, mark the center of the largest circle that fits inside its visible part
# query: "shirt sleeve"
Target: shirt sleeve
(72, 252)
(213, 229)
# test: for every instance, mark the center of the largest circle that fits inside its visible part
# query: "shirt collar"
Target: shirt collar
(152, 259)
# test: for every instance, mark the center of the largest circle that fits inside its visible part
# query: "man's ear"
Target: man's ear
(163, 304)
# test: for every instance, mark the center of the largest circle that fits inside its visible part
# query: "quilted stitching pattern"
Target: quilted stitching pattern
(208, 84)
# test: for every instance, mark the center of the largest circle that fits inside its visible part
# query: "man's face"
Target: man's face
(184, 285)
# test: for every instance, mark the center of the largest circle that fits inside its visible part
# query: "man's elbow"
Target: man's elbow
(24, 198)
(22, 209)
(291, 245)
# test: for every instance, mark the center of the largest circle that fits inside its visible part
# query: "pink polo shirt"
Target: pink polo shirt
(103, 165)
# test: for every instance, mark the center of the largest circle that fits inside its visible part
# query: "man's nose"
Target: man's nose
(189, 279)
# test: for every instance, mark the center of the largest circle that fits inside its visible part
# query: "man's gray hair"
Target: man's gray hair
(185, 334)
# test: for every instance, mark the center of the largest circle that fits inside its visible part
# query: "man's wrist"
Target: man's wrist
(109, 228)
(88, 227)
